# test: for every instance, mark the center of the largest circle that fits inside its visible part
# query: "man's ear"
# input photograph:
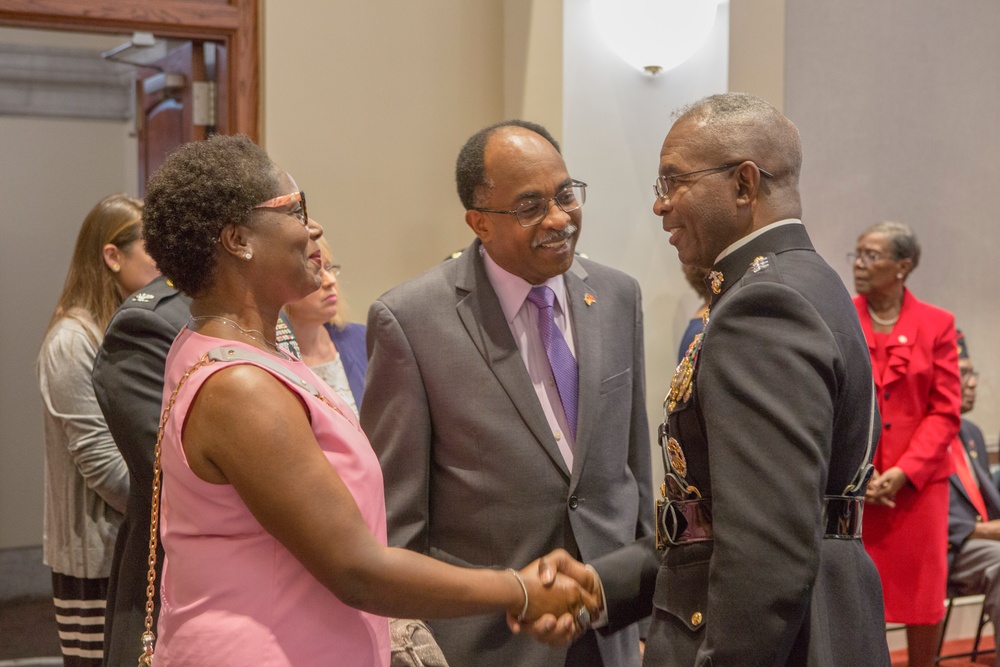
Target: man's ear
(747, 183)
(480, 223)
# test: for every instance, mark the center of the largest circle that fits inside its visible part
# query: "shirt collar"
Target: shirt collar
(512, 290)
(750, 237)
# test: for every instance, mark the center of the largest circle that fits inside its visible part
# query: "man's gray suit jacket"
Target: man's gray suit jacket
(472, 472)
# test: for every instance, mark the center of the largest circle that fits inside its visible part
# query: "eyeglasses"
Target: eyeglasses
(531, 212)
(662, 185)
(968, 374)
(867, 257)
(299, 212)
(332, 268)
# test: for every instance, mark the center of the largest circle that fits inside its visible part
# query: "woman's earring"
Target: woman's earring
(898, 275)
(249, 256)
(116, 268)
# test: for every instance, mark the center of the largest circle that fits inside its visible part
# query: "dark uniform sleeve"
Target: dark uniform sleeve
(128, 380)
(767, 383)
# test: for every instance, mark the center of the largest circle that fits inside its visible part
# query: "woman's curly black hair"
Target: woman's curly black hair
(202, 187)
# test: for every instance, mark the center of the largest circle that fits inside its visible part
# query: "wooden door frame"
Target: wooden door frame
(233, 23)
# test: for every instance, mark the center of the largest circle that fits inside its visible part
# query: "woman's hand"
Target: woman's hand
(568, 587)
(883, 487)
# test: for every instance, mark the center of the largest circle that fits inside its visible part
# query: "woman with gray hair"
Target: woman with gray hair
(915, 366)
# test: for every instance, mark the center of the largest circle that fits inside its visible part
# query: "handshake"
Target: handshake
(563, 598)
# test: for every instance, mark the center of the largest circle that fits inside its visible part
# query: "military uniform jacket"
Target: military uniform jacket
(779, 415)
(128, 381)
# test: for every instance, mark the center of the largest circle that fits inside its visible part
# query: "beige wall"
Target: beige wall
(367, 106)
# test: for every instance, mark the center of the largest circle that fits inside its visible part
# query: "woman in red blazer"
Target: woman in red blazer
(915, 365)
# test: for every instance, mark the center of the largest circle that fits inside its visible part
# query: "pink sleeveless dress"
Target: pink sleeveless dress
(231, 593)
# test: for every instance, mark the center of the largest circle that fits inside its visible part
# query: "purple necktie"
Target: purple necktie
(561, 361)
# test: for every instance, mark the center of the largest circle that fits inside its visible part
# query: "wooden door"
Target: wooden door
(232, 24)
(177, 103)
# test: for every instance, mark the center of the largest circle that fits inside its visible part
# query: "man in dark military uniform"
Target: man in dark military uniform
(128, 381)
(771, 416)
(974, 508)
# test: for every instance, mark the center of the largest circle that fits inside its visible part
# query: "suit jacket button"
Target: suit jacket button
(574, 502)
(696, 618)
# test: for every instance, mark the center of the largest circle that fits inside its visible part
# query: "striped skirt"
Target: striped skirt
(80, 605)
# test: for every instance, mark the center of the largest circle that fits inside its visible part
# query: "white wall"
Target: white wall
(52, 172)
(614, 122)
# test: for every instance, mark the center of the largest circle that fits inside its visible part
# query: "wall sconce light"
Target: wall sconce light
(655, 35)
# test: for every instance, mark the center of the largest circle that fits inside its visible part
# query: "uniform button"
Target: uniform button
(888, 426)
(696, 618)
(552, 382)
(574, 502)
(886, 395)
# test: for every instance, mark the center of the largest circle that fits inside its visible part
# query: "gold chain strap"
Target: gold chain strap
(148, 638)
(146, 659)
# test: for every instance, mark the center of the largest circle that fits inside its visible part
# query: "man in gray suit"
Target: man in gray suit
(499, 440)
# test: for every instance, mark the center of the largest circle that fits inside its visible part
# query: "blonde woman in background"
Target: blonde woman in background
(86, 481)
(330, 345)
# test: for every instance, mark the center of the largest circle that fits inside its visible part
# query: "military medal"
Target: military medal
(676, 455)
(683, 381)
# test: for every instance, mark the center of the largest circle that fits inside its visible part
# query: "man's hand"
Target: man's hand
(883, 487)
(564, 628)
(987, 530)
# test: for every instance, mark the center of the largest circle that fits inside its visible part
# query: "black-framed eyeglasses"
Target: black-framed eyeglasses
(867, 257)
(332, 268)
(299, 212)
(531, 212)
(662, 185)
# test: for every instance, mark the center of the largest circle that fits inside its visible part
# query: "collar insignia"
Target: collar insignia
(759, 264)
(143, 297)
(715, 279)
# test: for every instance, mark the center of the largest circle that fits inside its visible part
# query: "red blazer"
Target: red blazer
(919, 391)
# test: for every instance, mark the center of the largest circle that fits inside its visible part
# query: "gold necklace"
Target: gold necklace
(252, 334)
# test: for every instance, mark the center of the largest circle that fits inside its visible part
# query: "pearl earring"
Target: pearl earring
(248, 256)
(116, 268)
(898, 275)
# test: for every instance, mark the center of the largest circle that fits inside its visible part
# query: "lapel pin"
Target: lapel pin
(589, 299)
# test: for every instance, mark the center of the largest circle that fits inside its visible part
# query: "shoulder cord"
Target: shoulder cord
(866, 467)
(210, 357)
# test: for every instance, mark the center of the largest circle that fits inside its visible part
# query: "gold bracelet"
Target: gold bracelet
(524, 610)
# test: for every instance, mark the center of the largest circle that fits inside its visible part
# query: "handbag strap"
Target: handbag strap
(223, 354)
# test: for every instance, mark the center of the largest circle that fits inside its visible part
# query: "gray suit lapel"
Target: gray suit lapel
(587, 341)
(483, 318)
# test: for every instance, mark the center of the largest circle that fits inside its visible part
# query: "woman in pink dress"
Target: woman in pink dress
(272, 507)
(915, 364)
